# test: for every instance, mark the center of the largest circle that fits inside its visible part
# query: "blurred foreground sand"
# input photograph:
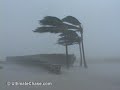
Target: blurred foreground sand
(96, 77)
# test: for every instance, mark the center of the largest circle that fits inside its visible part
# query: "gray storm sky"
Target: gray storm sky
(100, 18)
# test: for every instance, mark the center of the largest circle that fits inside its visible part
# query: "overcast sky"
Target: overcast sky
(100, 18)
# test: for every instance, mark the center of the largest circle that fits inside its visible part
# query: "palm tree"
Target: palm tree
(74, 22)
(54, 25)
(71, 38)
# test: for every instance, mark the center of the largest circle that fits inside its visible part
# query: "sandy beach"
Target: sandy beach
(98, 76)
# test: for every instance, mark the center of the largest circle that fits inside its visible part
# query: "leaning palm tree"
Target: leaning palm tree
(70, 20)
(54, 25)
(70, 38)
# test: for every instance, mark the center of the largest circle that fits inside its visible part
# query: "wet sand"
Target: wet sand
(96, 77)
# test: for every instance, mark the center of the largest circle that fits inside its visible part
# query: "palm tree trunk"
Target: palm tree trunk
(66, 48)
(85, 64)
(67, 60)
(80, 53)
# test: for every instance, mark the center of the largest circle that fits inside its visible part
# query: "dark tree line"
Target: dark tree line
(68, 28)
